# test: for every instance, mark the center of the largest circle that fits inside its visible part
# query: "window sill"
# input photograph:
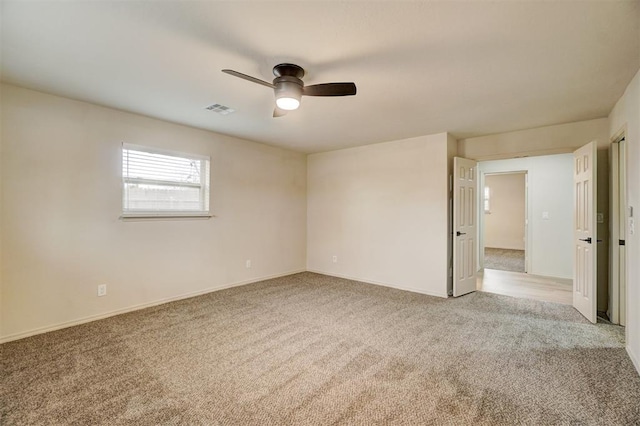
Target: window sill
(165, 216)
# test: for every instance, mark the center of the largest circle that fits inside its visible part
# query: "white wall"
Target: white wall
(504, 224)
(549, 241)
(61, 201)
(382, 210)
(626, 113)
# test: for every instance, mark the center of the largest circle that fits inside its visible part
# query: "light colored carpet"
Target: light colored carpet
(504, 259)
(312, 349)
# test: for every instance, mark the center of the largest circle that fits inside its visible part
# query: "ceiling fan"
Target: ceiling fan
(289, 87)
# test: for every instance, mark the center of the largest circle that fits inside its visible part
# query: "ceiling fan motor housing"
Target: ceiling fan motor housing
(288, 81)
(288, 86)
(288, 70)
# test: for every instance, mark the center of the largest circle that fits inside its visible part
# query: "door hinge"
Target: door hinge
(621, 242)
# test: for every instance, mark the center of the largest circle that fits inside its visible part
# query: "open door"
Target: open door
(622, 233)
(618, 211)
(585, 238)
(465, 186)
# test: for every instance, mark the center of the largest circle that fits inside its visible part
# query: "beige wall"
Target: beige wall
(504, 225)
(382, 210)
(626, 114)
(61, 201)
(1, 211)
(558, 139)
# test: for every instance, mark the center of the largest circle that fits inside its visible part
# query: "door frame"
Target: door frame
(481, 214)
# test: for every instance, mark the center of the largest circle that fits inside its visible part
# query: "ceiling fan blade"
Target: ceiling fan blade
(330, 89)
(277, 112)
(248, 78)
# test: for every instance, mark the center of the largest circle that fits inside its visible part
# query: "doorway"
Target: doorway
(505, 221)
(548, 223)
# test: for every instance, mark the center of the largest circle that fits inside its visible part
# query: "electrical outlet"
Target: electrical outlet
(600, 218)
(102, 290)
(335, 259)
(248, 264)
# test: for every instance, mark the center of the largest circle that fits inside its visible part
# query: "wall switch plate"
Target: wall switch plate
(632, 226)
(545, 215)
(600, 217)
(335, 259)
(102, 290)
(248, 264)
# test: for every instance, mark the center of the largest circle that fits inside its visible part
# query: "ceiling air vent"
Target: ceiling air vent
(220, 109)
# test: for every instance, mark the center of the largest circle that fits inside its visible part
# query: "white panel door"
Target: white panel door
(622, 231)
(618, 211)
(465, 187)
(585, 238)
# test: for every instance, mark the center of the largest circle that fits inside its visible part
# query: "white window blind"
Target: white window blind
(159, 183)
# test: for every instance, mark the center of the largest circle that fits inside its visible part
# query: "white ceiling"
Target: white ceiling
(470, 68)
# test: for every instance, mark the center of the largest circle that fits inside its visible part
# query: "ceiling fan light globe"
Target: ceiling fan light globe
(287, 103)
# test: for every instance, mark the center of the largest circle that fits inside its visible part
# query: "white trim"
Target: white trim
(165, 215)
(634, 359)
(380, 283)
(171, 153)
(96, 317)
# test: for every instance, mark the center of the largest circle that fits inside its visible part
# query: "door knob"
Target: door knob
(460, 233)
(588, 240)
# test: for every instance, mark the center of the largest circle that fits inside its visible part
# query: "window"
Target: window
(159, 183)
(487, 199)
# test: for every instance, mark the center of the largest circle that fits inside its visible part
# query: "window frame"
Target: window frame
(205, 185)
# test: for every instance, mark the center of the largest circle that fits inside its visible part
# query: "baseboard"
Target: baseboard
(634, 359)
(104, 315)
(380, 283)
(505, 248)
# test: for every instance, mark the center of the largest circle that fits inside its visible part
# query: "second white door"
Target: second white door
(584, 231)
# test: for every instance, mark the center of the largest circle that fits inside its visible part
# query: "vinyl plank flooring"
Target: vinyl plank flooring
(528, 286)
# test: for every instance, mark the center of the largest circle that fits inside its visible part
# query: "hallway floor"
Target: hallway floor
(516, 284)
